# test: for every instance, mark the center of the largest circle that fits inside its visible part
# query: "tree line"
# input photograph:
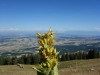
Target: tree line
(91, 54)
(24, 59)
(36, 59)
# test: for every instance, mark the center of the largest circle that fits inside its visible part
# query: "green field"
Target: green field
(75, 67)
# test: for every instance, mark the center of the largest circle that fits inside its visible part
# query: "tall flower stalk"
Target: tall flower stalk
(48, 53)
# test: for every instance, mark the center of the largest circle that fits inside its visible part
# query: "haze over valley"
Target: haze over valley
(19, 43)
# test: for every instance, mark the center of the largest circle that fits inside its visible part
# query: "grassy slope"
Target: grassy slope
(75, 67)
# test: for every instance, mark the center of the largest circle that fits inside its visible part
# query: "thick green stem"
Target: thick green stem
(54, 71)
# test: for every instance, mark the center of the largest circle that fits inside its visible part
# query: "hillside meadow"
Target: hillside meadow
(74, 67)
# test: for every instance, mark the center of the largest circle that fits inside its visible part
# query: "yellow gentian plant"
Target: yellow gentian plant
(48, 53)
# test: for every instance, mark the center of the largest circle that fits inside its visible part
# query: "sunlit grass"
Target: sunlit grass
(75, 67)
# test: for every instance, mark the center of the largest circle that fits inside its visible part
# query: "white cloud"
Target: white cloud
(97, 29)
(13, 29)
(8, 29)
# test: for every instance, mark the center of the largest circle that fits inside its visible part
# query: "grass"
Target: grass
(74, 67)
(80, 67)
(16, 70)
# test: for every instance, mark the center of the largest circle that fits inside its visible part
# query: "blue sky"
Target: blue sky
(60, 15)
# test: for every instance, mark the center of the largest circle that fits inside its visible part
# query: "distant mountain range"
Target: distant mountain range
(18, 43)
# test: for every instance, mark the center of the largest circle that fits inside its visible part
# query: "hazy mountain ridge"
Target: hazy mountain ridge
(26, 42)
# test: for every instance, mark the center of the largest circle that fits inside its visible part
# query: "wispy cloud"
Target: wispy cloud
(97, 29)
(13, 29)
(8, 29)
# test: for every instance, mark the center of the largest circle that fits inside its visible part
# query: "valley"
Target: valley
(23, 43)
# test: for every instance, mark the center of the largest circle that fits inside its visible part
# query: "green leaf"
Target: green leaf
(42, 71)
